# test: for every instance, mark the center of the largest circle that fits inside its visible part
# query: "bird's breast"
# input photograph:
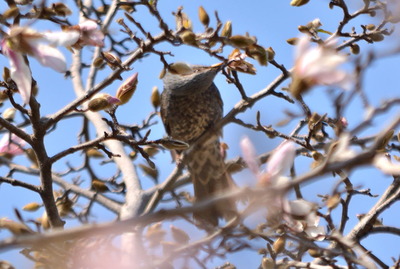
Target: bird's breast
(187, 117)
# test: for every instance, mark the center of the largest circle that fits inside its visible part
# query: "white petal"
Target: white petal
(67, 38)
(312, 219)
(281, 159)
(318, 233)
(299, 208)
(19, 72)
(51, 57)
(249, 155)
(88, 25)
(382, 163)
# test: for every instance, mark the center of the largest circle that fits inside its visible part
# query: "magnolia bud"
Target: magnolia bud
(112, 60)
(128, 7)
(44, 221)
(355, 49)
(241, 41)
(303, 29)
(292, 41)
(16, 228)
(102, 101)
(9, 114)
(317, 156)
(162, 73)
(133, 155)
(12, 12)
(103, 9)
(267, 263)
(377, 37)
(297, 3)
(127, 89)
(370, 27)
(94, 153)
(188, 37)
(257, 52)
(183, 21)
(31, 207)
(61, 9)
(270, 54)
(99, 185)
(155, 97)
(98, 62)
(315, 253)
(279, 245)
(203, 16)
(3, 96)
(227, 29)
(6, 75)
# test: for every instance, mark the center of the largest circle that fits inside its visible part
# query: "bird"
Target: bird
(191, 105)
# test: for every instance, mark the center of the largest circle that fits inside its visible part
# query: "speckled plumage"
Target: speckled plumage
(190, 105)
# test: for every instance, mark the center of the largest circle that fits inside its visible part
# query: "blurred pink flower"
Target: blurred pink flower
(19, 71)
(249, 155)
(318, 65)
(11, 146)
(90, 34)
(280, 161)
(23, 40)
(300, 216)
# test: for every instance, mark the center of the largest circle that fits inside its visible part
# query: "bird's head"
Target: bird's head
(182, 78)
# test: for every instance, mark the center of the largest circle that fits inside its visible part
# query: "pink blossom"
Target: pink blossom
(13, 146)
(64, 38)
(281, 160)
(318, 65)
(300, 216)
(23, 40)
(90, 34)
(249, 155)
(19, 71)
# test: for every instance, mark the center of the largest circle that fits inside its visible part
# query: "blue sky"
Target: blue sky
(273, 22)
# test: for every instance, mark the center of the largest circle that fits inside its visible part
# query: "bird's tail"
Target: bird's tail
(210, 179)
